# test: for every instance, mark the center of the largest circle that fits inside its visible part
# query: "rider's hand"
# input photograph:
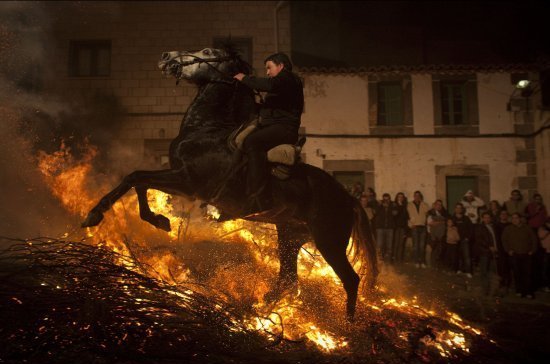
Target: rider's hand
(239, 76)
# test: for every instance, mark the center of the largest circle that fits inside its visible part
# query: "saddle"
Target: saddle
(282, 157)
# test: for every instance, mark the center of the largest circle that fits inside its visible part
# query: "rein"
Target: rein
(200, 60)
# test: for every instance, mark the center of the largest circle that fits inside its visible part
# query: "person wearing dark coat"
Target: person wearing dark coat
(466, 231)
(280, 117)
(520, 242)
(486, 249)
(401, 219)
(384, 220)
(504, 263)
(437, 225)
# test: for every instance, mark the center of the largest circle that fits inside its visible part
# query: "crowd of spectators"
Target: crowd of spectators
(508, 241)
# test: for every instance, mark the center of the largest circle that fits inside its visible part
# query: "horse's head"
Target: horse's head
(204, 66)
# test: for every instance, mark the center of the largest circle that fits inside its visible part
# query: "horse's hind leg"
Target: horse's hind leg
(162, 180)
(290, 240)
(331, 241)
(159, 221)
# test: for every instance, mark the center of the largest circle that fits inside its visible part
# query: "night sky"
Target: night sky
(352, 33)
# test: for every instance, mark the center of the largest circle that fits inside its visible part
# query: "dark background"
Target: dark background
(371, 33)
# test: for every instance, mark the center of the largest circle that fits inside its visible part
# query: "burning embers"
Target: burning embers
(231, 266)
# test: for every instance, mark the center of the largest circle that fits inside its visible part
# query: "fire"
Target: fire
(289, 319)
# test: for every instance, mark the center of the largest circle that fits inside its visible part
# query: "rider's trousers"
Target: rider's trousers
(256, 146)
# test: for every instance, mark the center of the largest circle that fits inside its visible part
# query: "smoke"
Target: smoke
(33, 120)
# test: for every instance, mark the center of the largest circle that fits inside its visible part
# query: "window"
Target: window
(349, 172)
(90, 58)
(457, 186)
(453, 103)
(349, 179)
(243, 45)
(390, 103)
(456, 110)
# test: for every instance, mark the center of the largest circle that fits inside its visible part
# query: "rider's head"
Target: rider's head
(276, 63)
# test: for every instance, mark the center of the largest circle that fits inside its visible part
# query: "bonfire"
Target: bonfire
(125, 291)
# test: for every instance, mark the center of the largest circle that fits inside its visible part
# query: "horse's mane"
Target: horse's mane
(231, 49)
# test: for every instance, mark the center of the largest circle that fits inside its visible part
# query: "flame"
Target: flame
(123, 232)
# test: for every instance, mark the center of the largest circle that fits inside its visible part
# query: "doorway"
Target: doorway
(457, 186)
(349, 178)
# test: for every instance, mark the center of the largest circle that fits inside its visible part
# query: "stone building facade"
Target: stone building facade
(133, 35)
(388, 127)
(491, 151)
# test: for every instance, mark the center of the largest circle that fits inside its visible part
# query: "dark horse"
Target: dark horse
(310, 204)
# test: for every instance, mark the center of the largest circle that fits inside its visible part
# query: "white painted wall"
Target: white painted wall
(407, 165)
(337, 104)
(494, 91)
(423, 104)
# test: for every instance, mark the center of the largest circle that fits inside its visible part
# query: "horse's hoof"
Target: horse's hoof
(93, 219)
(350, 316)
(162, 222)
(350, 313)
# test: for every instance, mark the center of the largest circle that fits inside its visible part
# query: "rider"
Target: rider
(279, 122)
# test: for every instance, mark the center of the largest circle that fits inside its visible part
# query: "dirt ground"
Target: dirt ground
(519, 326)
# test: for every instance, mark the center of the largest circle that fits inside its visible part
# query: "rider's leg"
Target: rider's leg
(256, 146)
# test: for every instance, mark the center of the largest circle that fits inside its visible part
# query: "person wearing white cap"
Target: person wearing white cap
(472, 204)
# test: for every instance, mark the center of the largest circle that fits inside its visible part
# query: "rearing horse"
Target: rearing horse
(311, 203)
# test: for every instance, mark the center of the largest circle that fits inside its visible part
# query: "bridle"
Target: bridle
(181, 63)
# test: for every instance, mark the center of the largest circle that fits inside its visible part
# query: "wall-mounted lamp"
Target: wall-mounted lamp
(526, 87)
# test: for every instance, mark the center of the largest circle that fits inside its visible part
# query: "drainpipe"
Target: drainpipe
(277, 8)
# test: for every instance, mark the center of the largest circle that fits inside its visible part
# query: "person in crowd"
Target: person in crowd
(401, 219)
(364, 200)
(466, 232)
(371, 197)
(437, 221)
(494, 210)
(504, 264)
(536, 216)
(520, 242)
(472, 206)
(536, 213)
(357, 190)
(544, 237)
(486, 250)
(417, 211)
(451, 246)
(384, 220)
(515, 204)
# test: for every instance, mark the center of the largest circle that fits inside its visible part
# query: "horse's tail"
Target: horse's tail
(363, 247)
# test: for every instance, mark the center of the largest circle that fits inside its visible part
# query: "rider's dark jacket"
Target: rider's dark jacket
(284, 102)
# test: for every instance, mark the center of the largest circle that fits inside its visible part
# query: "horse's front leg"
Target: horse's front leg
(165, 180)
(157, 220)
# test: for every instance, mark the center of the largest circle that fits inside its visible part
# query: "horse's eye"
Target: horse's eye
(206, 52)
